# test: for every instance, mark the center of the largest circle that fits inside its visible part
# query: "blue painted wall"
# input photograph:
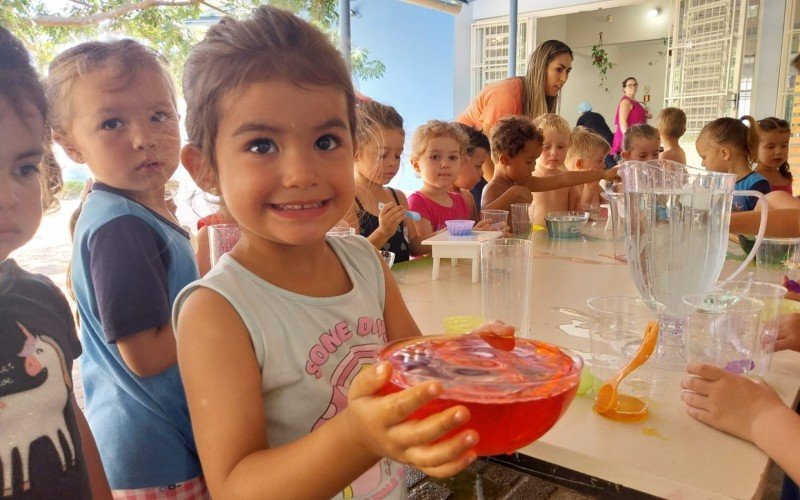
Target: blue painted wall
(416, 45)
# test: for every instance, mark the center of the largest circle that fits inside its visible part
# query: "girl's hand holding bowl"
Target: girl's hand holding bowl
(379, 420)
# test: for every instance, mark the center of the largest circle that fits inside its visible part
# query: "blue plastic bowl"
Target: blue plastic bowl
(459, 227)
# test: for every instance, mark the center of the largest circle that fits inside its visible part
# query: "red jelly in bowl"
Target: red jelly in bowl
(515, 393)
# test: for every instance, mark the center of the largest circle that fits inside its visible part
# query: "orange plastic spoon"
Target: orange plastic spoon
(607, 395)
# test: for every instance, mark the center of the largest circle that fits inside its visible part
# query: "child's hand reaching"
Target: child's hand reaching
(379, 424)
(483, 225)
(611, 174)
(728, 402)
(390, 216)
(793, 289)
(788, 332)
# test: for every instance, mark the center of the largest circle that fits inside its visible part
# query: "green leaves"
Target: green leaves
(47, 30)
(602, 63)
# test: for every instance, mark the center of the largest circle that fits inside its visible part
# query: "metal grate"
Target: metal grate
(705, 60)
(490, 51)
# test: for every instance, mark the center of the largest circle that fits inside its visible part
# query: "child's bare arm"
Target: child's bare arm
(781, 223)
(415, 246)
(567, 179)
(94, 466)
(574, 197)
(424, 229)
(514, 194)
(149, 352)
(228, 419)
(203, 254)
(749, 410)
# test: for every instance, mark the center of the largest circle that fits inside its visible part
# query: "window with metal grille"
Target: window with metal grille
(712, 59)
(490, 51)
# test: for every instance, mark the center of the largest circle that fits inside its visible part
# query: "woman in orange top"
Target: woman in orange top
(534, 94)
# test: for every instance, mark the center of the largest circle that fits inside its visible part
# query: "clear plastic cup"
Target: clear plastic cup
(723, 330)
(339, 231)
(221, 239)
(616, 330)
(388, 257)
(497, 218)
(506, 267)
(776, 258)
(520, 220)
(772, 297)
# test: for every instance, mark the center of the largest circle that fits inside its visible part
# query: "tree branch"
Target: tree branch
(110, 14)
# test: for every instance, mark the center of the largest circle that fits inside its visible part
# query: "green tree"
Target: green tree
(162, 23)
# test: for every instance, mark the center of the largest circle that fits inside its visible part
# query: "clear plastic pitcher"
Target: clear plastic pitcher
(676, 238)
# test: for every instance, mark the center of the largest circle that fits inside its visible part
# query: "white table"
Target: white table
(446, 246)
(669, 455)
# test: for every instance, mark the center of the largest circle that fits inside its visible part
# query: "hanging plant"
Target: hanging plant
(601, 62)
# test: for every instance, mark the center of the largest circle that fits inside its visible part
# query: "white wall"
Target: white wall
(631, 38)
(483, 9)
(629, 60)
(766, 84)
(619, 25)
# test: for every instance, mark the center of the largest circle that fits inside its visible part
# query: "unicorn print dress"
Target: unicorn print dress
(40, 445)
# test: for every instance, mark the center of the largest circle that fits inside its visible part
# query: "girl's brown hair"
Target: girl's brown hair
(127, 57)
(20, 87)
(773, 124)
(372, 118)
(534, 100)
(433, 129)
(270, 44)
(734, 134)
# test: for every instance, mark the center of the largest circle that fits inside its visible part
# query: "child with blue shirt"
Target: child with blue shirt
(114, 110)
(40, 421)
(728, 145)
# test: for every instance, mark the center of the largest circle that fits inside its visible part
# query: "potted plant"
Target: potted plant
(602, 63)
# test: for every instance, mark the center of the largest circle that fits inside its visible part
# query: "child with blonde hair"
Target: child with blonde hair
(728, 145)
(380, 212)
(671, 127)
(556, 135)
(437, 150)
(587, 151)
(516, 143)
(640, 143)
(113, 108)
(773, 153)
(38, 341)
(276, 342)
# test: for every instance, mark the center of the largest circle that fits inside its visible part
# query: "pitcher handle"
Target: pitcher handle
(759, 236)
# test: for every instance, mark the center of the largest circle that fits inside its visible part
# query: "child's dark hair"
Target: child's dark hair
(372, 117)
(272, 44)
(672, 122)
(510, 134)
(733, 134)
(773, 124)
(641, 131)
(20, 87)
(477, 139)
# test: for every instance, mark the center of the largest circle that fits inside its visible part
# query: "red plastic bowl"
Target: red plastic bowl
(515, 391)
